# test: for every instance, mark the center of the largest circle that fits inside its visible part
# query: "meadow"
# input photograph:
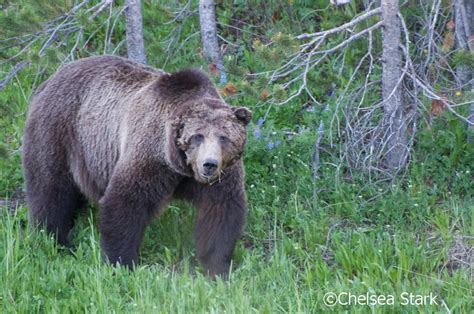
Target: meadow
(306, 239)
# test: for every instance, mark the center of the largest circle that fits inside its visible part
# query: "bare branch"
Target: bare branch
(55, 32)
(351, 39)
(12, 73)
(338, 29)
(101, 7)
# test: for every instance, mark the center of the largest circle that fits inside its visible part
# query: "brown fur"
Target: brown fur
(132, 138)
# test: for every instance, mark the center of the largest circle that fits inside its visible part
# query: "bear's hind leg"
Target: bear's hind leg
(53, 203)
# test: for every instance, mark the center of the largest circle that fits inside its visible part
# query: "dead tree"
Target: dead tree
(210, 45)
(394, 114)
(464, 29)
(376, 136)
(463, 17)
(54, 34)
(134, 33)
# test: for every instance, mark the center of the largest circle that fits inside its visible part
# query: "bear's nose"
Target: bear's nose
(210, 166)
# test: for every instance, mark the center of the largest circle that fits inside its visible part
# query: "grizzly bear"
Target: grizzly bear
(131, 138)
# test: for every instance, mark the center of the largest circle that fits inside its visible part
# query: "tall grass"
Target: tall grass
(304, 238)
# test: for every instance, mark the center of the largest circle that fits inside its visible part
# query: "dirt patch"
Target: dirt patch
(14, 201)
(460, 253)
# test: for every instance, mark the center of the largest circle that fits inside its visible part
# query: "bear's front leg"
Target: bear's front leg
(134, 194)
(122, 224)
(221, 216)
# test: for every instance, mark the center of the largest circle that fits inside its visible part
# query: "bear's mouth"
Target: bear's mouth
(210, 179)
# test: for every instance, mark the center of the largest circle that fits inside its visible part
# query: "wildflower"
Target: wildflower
(256, 132)
(458, 93)
(252, 186)
(272, 144)
(274, 166)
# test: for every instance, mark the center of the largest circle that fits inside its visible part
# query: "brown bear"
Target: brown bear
(131, 138)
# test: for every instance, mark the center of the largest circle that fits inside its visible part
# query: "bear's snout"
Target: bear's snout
(210, 167)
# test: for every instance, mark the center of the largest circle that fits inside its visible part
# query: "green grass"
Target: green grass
(411, 238)
(304, 238)
(285, 272)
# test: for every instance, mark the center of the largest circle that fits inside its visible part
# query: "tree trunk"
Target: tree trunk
(395, 120)
(461, 38)
(135, 45)
(470, 40)
(210, 45)
(464, 19)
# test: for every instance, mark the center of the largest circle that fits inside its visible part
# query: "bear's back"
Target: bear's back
(73, 83)
(81, 111)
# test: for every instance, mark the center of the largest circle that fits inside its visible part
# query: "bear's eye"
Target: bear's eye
(197, 138)
(223, 139)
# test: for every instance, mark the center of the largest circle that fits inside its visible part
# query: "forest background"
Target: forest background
(359, 158)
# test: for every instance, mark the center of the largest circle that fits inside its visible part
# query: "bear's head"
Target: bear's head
(207, 136)
(212, 138)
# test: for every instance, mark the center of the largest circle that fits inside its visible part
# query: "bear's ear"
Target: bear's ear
(182, 81)
(177, 127)
(243, 115)
(174, 153)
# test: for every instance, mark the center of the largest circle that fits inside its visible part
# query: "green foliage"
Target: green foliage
(464, 58)
(445, 146)
(24, 16)
(3, 152)
(279, 93)
(304, 237)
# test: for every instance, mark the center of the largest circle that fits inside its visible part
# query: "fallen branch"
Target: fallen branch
(57, 31)
(338, 29)
(16, 68)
